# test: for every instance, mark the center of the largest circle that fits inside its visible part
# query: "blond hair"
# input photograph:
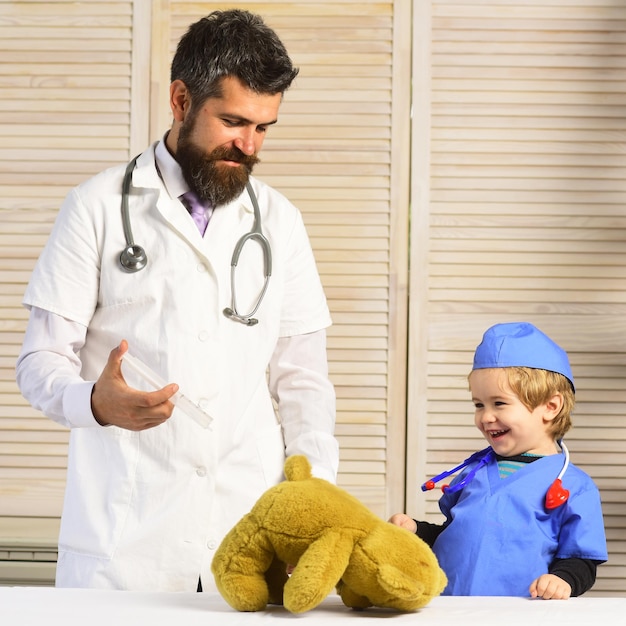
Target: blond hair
(534, 387)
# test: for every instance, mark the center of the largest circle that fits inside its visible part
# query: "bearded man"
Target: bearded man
(150, 493)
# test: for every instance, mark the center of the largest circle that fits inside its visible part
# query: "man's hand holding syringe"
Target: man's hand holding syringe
(114, 403)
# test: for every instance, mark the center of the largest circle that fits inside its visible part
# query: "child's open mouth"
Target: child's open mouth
(496, 434)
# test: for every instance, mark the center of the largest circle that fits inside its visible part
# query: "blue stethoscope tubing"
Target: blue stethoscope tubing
(133, 257)
(555, 496)
(482, 456)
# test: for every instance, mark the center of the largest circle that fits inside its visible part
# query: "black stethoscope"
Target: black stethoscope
(555, 496)
(133, 258)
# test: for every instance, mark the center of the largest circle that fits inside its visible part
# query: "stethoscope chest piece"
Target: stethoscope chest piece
(556, 495)
(133, 258)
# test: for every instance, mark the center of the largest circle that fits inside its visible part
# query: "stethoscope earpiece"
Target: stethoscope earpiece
(248, 321)
(256, 233)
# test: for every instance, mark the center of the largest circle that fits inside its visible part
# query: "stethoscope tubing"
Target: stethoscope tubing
(555, 496)
(482, 456)
(133, 257)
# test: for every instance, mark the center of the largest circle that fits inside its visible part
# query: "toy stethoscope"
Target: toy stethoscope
(555, 496)
(133, 258)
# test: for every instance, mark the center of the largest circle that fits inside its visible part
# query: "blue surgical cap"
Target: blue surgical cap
(520, 344)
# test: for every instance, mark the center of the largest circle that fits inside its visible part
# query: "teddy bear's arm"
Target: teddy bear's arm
(317, 571)
(240, 565)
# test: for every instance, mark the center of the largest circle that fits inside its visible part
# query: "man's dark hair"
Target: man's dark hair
(231, 43)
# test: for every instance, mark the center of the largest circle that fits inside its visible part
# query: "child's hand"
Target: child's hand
(403, 520)
(550, 587)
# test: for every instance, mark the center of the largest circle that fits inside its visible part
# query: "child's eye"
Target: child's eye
(478, 405)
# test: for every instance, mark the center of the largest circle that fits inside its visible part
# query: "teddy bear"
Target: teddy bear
(333, 541)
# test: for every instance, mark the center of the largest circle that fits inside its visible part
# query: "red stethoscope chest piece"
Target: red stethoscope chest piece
(556, 495)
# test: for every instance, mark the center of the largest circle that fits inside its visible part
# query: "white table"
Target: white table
(47, 606)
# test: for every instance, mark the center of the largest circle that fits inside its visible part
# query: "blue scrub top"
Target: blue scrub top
(499, 536)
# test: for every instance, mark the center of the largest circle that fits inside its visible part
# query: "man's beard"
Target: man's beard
(213, 182)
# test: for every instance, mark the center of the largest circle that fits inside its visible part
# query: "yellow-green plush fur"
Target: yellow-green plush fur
(333, 540)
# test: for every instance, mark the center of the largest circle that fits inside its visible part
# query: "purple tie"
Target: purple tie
(199, 212)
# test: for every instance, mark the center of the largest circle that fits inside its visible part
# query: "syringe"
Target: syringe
(178, 399)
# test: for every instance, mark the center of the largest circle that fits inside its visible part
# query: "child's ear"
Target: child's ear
(553, 407)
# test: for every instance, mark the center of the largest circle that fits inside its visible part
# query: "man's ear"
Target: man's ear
(180, 100)
(553, 407)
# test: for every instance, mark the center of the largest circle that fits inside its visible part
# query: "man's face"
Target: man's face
(218, 143)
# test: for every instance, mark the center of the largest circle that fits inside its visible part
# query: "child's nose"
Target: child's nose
(488, 417)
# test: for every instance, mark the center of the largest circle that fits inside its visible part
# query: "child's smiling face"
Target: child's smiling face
(507, 425)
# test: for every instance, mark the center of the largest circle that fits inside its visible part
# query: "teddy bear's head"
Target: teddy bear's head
(333, 540)
(389, 568)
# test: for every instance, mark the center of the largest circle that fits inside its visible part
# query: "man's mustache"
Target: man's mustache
(233, 154)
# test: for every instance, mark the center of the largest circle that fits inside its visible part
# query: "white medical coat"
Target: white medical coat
(146, 510)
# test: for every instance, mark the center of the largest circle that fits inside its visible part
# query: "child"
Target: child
(511, 529)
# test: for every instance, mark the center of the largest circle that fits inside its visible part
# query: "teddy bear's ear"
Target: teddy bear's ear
(398, 584)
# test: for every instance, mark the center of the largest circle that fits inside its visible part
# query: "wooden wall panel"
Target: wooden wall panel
(85, 85)
(66, 87)
(524, 220)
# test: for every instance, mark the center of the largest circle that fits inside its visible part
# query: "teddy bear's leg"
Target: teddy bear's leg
(276, 577)
(317, 572)
(350, 598)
